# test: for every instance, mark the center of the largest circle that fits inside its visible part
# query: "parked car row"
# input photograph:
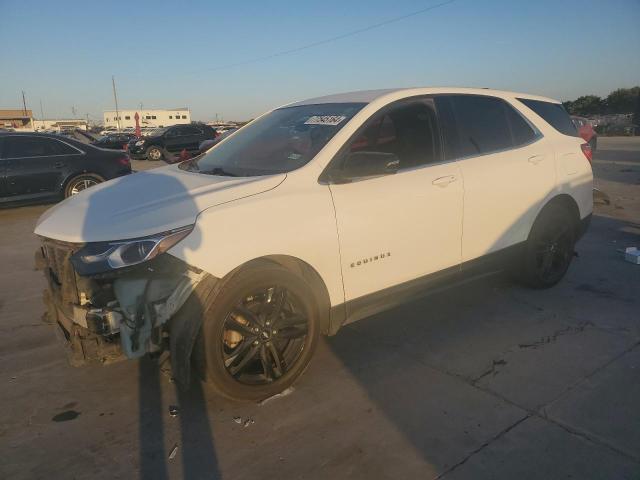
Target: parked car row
(36, 167)
(168, 143)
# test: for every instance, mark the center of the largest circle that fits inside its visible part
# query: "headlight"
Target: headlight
(101, 257)
(139, 143)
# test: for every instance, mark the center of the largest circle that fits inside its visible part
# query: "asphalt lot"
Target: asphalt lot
(490, 380)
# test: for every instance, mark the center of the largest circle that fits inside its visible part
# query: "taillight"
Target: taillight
(586, 149)
(123, 161)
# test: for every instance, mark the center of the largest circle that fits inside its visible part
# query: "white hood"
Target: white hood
(144, 203)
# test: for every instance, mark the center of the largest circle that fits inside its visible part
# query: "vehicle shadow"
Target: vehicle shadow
(164, 438)
(428, 365)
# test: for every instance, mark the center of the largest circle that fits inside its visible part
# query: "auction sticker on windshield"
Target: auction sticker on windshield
(331, 120)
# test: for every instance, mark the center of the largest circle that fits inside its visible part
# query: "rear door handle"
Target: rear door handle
(444, 181)
(536, 159)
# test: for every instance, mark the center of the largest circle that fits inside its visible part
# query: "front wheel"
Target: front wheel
(154, 153)
(259, 333)
(549, 248)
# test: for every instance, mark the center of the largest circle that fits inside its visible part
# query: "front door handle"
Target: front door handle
(536, 159)
(58, 164)
(444, 181)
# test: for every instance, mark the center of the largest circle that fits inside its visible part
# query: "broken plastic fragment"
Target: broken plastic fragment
(283, 393)
(248, 421)
(174, 451)
(238, 420)
(173, 410)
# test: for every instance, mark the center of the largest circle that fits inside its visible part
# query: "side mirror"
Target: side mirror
(366, 164)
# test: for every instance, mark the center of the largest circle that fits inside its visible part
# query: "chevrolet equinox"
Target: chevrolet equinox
(314, 215)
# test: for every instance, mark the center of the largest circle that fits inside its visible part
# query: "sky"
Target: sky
(198, 54)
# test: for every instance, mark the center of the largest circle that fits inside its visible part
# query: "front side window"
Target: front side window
(278, 142)
(409, 131)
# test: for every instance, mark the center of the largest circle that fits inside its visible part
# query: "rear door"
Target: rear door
(175, 139)
(193, 135)
(36, 165)
(508, 170)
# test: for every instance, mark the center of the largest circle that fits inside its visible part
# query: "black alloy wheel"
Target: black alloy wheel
(260, 328)
(263, 336)
(549, 249)
(554, 249)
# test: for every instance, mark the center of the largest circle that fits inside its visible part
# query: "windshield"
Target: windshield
(278, 142)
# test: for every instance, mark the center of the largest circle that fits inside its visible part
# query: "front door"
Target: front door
(397, 228)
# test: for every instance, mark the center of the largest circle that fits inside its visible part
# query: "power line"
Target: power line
(328, 40)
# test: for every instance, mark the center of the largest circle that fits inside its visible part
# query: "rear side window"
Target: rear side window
(521, 131)
(61, 148)
(554, 114)
(476, 125)
(482, 125)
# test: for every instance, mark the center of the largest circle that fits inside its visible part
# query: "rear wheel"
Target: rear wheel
(549, 249)
(259, 333)
(154, 153)
(81, 182)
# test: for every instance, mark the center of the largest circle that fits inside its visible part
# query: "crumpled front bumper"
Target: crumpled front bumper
(114, 316)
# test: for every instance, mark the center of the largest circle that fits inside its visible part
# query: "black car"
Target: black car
(167, 143)
(115, 141)
(38, 167)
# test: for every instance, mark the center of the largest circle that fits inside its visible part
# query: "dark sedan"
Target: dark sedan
(115, 141)
(35, 167)
(168, 143)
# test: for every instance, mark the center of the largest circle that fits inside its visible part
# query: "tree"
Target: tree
(622, 100)
(585, 105)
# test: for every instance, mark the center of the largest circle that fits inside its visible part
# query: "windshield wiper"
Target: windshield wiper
(218, 171)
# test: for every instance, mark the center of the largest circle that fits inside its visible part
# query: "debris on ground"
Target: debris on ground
(248, 421)
(283, 393)
(599, 197)
(173, 452)
(238, 420)
(632, 254)
(173, 410)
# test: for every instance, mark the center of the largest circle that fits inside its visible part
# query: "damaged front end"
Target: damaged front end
(113, 300)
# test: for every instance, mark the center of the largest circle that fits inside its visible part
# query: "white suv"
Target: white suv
(314, 215)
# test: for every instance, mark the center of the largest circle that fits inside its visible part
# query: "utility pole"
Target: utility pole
(115, 97)
(41, 115)
(24, 104)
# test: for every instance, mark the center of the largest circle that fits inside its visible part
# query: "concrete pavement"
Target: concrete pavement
(490, 380)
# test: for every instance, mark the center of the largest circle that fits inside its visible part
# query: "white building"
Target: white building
(148, 118)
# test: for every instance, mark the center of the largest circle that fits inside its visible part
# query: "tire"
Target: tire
(549, 248)
(81, 182)
(237, 348)
(154, 154)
